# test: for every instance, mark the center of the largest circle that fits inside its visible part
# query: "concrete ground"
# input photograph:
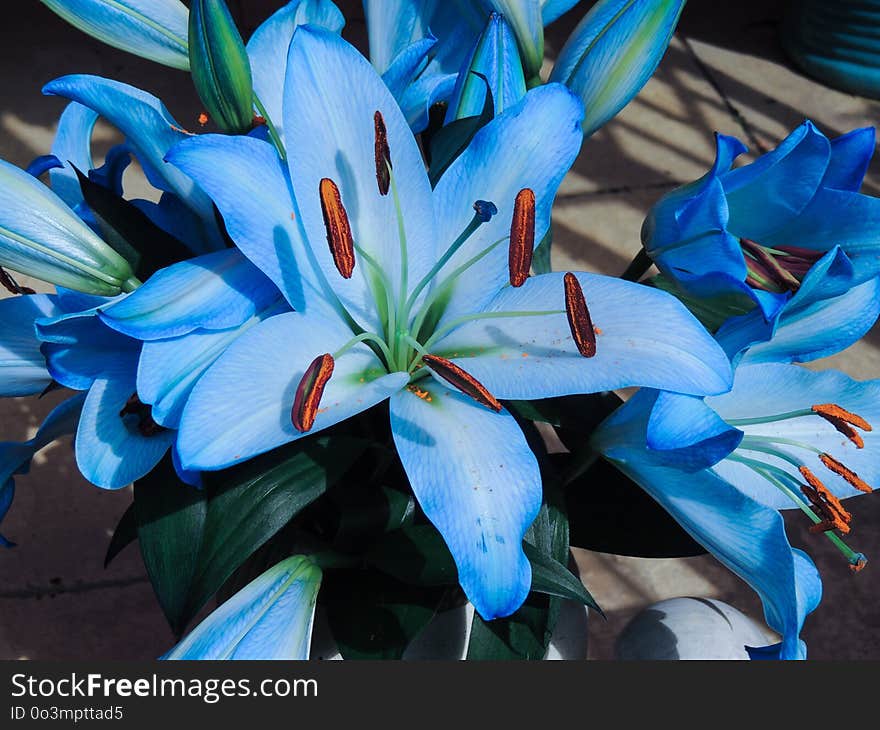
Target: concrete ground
(723, 72)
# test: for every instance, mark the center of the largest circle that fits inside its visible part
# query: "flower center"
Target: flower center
(764, 453)
(778, 269)
(411, 321)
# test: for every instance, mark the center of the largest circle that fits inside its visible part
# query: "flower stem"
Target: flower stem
(449, 326)
(273, 132)
(638, 267)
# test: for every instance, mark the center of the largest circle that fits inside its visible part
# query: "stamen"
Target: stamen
(383, 154)
(338, 228)
(832, 410)
(784, 481)
(11, 285)
(834, 514)
(462, 380)
(579, 317)
(772, 266)
(847, 474)
(522, 237)
(309, 392)
(857, 563)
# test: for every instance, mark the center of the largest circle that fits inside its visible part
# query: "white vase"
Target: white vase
(690, 628)
(446, 636)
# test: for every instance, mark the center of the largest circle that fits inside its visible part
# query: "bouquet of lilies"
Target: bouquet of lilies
(332, 355)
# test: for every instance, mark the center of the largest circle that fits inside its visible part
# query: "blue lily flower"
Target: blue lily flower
(270, 618)
(439, 317)
(723, 466)
(613, 52)
(755, 232)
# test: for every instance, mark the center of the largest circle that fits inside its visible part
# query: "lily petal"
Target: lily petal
(250, 186)
(72, 146)
(241, 406)
(213, 292)
(478, 482)
(267, 49)
(850, 156)
(270, 618)
(536, 357)
(169, 369)
(687, 433)
(110, 451)
(15, 457)
(830, 312)
(22, 365)
(154, 29)
(331, 94)
(79, 348)
(779, 183)
(546, 127)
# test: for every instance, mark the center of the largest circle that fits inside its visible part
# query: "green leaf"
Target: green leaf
(373, 616)
(251, 502)
(170, 521)
(124, 534)
(450, 141)
(415, 554)
(368, 511)
(523, 635)
(554, 579)
(130, 232)
(610, 513)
